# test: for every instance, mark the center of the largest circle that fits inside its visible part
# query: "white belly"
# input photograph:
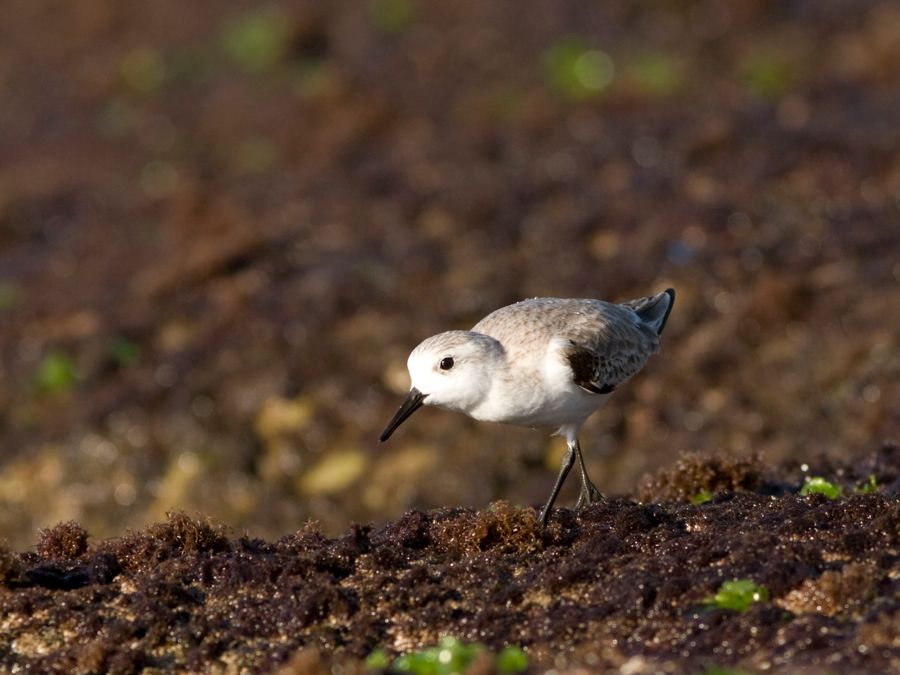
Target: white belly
(541, 393)
(530, 405)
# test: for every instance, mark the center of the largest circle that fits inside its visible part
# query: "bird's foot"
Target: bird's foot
(589, 495)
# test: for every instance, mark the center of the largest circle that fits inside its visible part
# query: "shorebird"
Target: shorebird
(542, 363)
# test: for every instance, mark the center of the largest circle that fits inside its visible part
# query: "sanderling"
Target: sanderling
(545, 362)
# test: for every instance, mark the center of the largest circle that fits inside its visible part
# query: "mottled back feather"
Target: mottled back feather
(608, 343)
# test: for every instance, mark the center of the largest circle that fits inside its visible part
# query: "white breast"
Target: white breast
(539, 394)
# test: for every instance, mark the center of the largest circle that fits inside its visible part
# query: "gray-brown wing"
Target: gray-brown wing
(521, 326)
(606, 344)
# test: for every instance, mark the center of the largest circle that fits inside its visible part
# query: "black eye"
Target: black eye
(447, 363)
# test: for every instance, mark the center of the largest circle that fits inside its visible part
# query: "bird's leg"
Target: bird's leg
(564, 469)
(589, 492)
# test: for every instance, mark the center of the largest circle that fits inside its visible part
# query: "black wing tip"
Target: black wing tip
(671, 293)
(654, 310)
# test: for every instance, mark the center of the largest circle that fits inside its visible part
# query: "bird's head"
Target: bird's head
(453, 370)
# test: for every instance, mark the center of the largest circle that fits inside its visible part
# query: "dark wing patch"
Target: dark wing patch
(587, 371)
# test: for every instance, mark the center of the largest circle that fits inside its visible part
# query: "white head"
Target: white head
(453, 370)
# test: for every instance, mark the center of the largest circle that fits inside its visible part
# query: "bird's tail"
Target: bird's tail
(654, 311)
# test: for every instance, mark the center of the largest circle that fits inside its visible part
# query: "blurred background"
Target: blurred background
(223, 226)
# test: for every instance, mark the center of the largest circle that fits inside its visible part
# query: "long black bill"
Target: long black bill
(412, 403)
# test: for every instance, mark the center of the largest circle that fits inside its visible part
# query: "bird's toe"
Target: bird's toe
(589, 495)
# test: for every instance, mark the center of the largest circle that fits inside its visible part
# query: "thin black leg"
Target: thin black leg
(564, 469)
(589, 492)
